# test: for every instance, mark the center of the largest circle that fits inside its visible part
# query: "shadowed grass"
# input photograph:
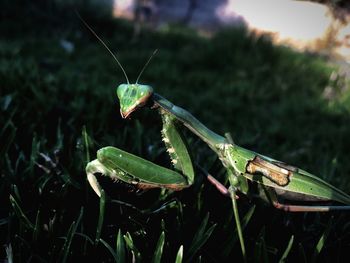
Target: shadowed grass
(286, 252)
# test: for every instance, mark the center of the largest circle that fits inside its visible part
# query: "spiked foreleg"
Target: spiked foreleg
(176, 146)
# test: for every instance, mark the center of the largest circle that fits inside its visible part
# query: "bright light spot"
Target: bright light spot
(299, 20)
(304, 25)
(123, 8)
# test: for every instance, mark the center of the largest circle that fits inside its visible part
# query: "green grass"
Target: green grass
(53, 104)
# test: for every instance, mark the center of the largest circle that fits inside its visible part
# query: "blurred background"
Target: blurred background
(274, 74)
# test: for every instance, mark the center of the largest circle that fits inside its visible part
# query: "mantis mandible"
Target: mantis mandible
(277, 178)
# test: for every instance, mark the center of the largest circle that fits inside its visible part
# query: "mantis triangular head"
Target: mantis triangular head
(132, 96)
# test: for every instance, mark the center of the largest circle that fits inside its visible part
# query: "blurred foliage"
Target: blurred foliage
(58, 106)
(336, 3)
(340, 8)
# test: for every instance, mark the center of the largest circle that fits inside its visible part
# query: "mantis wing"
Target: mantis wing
(283, 177)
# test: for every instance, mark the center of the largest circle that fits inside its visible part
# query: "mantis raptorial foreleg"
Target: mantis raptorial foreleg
(131, 169)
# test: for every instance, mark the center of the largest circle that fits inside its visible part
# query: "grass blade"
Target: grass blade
(286, 252)
(4, 221)
(67, 179)
(86, 237)
(159, 249)
(7, 141)
(236, 214)
(120, 247)
(69, 238)
(110, 249)
(179, 255)
(101, 216)
(200, 230)
(86, 143)
(37, 226)
(302, 252)
(200, 237)
(230, 243)
(9, 254)
(321, 242)
(20, 214)
(5, 102)
(130, 243)
(260, 253)
(34, 153)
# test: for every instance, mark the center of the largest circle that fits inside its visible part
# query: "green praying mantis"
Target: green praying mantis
(277, 179)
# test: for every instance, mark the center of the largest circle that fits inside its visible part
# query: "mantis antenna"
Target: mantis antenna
(150, 58)
(103, 43)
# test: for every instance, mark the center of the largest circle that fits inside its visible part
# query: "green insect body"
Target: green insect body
(276, 178)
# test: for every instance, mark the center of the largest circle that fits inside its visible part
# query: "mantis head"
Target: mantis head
(132, 97)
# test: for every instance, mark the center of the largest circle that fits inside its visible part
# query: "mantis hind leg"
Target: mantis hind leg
(302, 208)
(271, 194)
(219, 186)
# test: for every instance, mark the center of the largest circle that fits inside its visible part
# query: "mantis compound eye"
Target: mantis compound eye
(132, 96)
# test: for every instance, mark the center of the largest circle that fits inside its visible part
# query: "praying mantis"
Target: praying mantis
(244, 167)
